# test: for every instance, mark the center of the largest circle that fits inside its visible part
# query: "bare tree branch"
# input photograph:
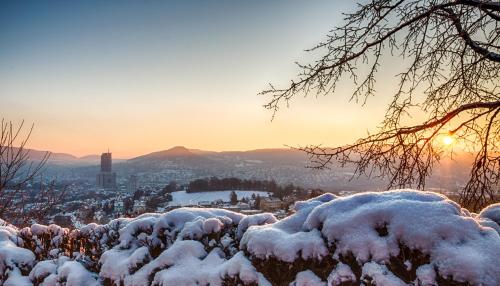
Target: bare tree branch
(16, 172)
(451, 70)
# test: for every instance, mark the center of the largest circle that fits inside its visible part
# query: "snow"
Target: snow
(372, 226)
(182, 198)
(211, 269)
(486, 222)
(379, 275)
(181, 226)
(458, 245)
(116, 263)
(307, 278)
(264, 242)
(15, 278)
(341, 274)
(43, 269)
(178, 262)
(177, 252)
(284, 240)
(13, 259)
(426, 276)
(324, 198)
(329, 240)
(38, 229)
(62, 271)
(75, 275)
(173, 222)
(257, 219)
(491, 212)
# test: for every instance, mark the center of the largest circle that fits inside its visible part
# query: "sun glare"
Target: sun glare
(448, 140)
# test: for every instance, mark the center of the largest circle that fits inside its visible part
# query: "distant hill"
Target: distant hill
(257, 154)
(90, 158)
(179, 153)
(174, 157)
(56, 158)
(37, 155)
(175, 152)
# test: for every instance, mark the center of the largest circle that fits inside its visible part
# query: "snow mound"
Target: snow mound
(14, 260)
(490, 217)
(307, 278)
(341, 274)
(372, 230)
(401, 237)
(491, 212)
(375, 226)
(164, 249)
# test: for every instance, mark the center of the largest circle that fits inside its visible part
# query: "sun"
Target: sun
(448, 140)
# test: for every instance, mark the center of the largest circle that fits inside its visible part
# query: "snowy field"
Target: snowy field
(182, 198)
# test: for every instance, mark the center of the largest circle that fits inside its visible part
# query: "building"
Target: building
(119, 208)
(239, 207)
(132, 184)
(106, 178)
(106, 162)
(270, 204)
(139, 207)
(205, 204)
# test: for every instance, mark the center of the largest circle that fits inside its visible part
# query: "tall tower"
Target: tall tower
(106, 178)
(106, 162)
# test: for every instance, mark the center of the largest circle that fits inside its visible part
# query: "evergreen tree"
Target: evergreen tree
(234, 198)
(257, 202)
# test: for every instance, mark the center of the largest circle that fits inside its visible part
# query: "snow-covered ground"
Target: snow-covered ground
(394, 238)
(184, 199)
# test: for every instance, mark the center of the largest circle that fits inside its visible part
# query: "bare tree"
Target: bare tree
(16, 172)
(450, 70)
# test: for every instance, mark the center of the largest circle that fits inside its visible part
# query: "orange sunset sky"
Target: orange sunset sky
(142, 76)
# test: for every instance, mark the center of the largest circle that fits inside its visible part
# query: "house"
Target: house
(243, 206)
(270, 204)
(119, 207)
(205, 204)
(139, 207)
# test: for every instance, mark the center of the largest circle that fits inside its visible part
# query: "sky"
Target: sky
(143, 76)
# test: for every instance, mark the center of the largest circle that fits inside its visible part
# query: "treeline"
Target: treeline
(213, 184)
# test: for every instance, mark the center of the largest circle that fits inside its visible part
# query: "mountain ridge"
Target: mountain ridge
(36, 154)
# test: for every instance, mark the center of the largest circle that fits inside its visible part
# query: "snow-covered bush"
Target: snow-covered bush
(390, 238)
(15, 261)
(45, 241)
(163, 250)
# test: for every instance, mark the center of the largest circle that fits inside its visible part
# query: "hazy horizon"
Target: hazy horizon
(159, 150)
